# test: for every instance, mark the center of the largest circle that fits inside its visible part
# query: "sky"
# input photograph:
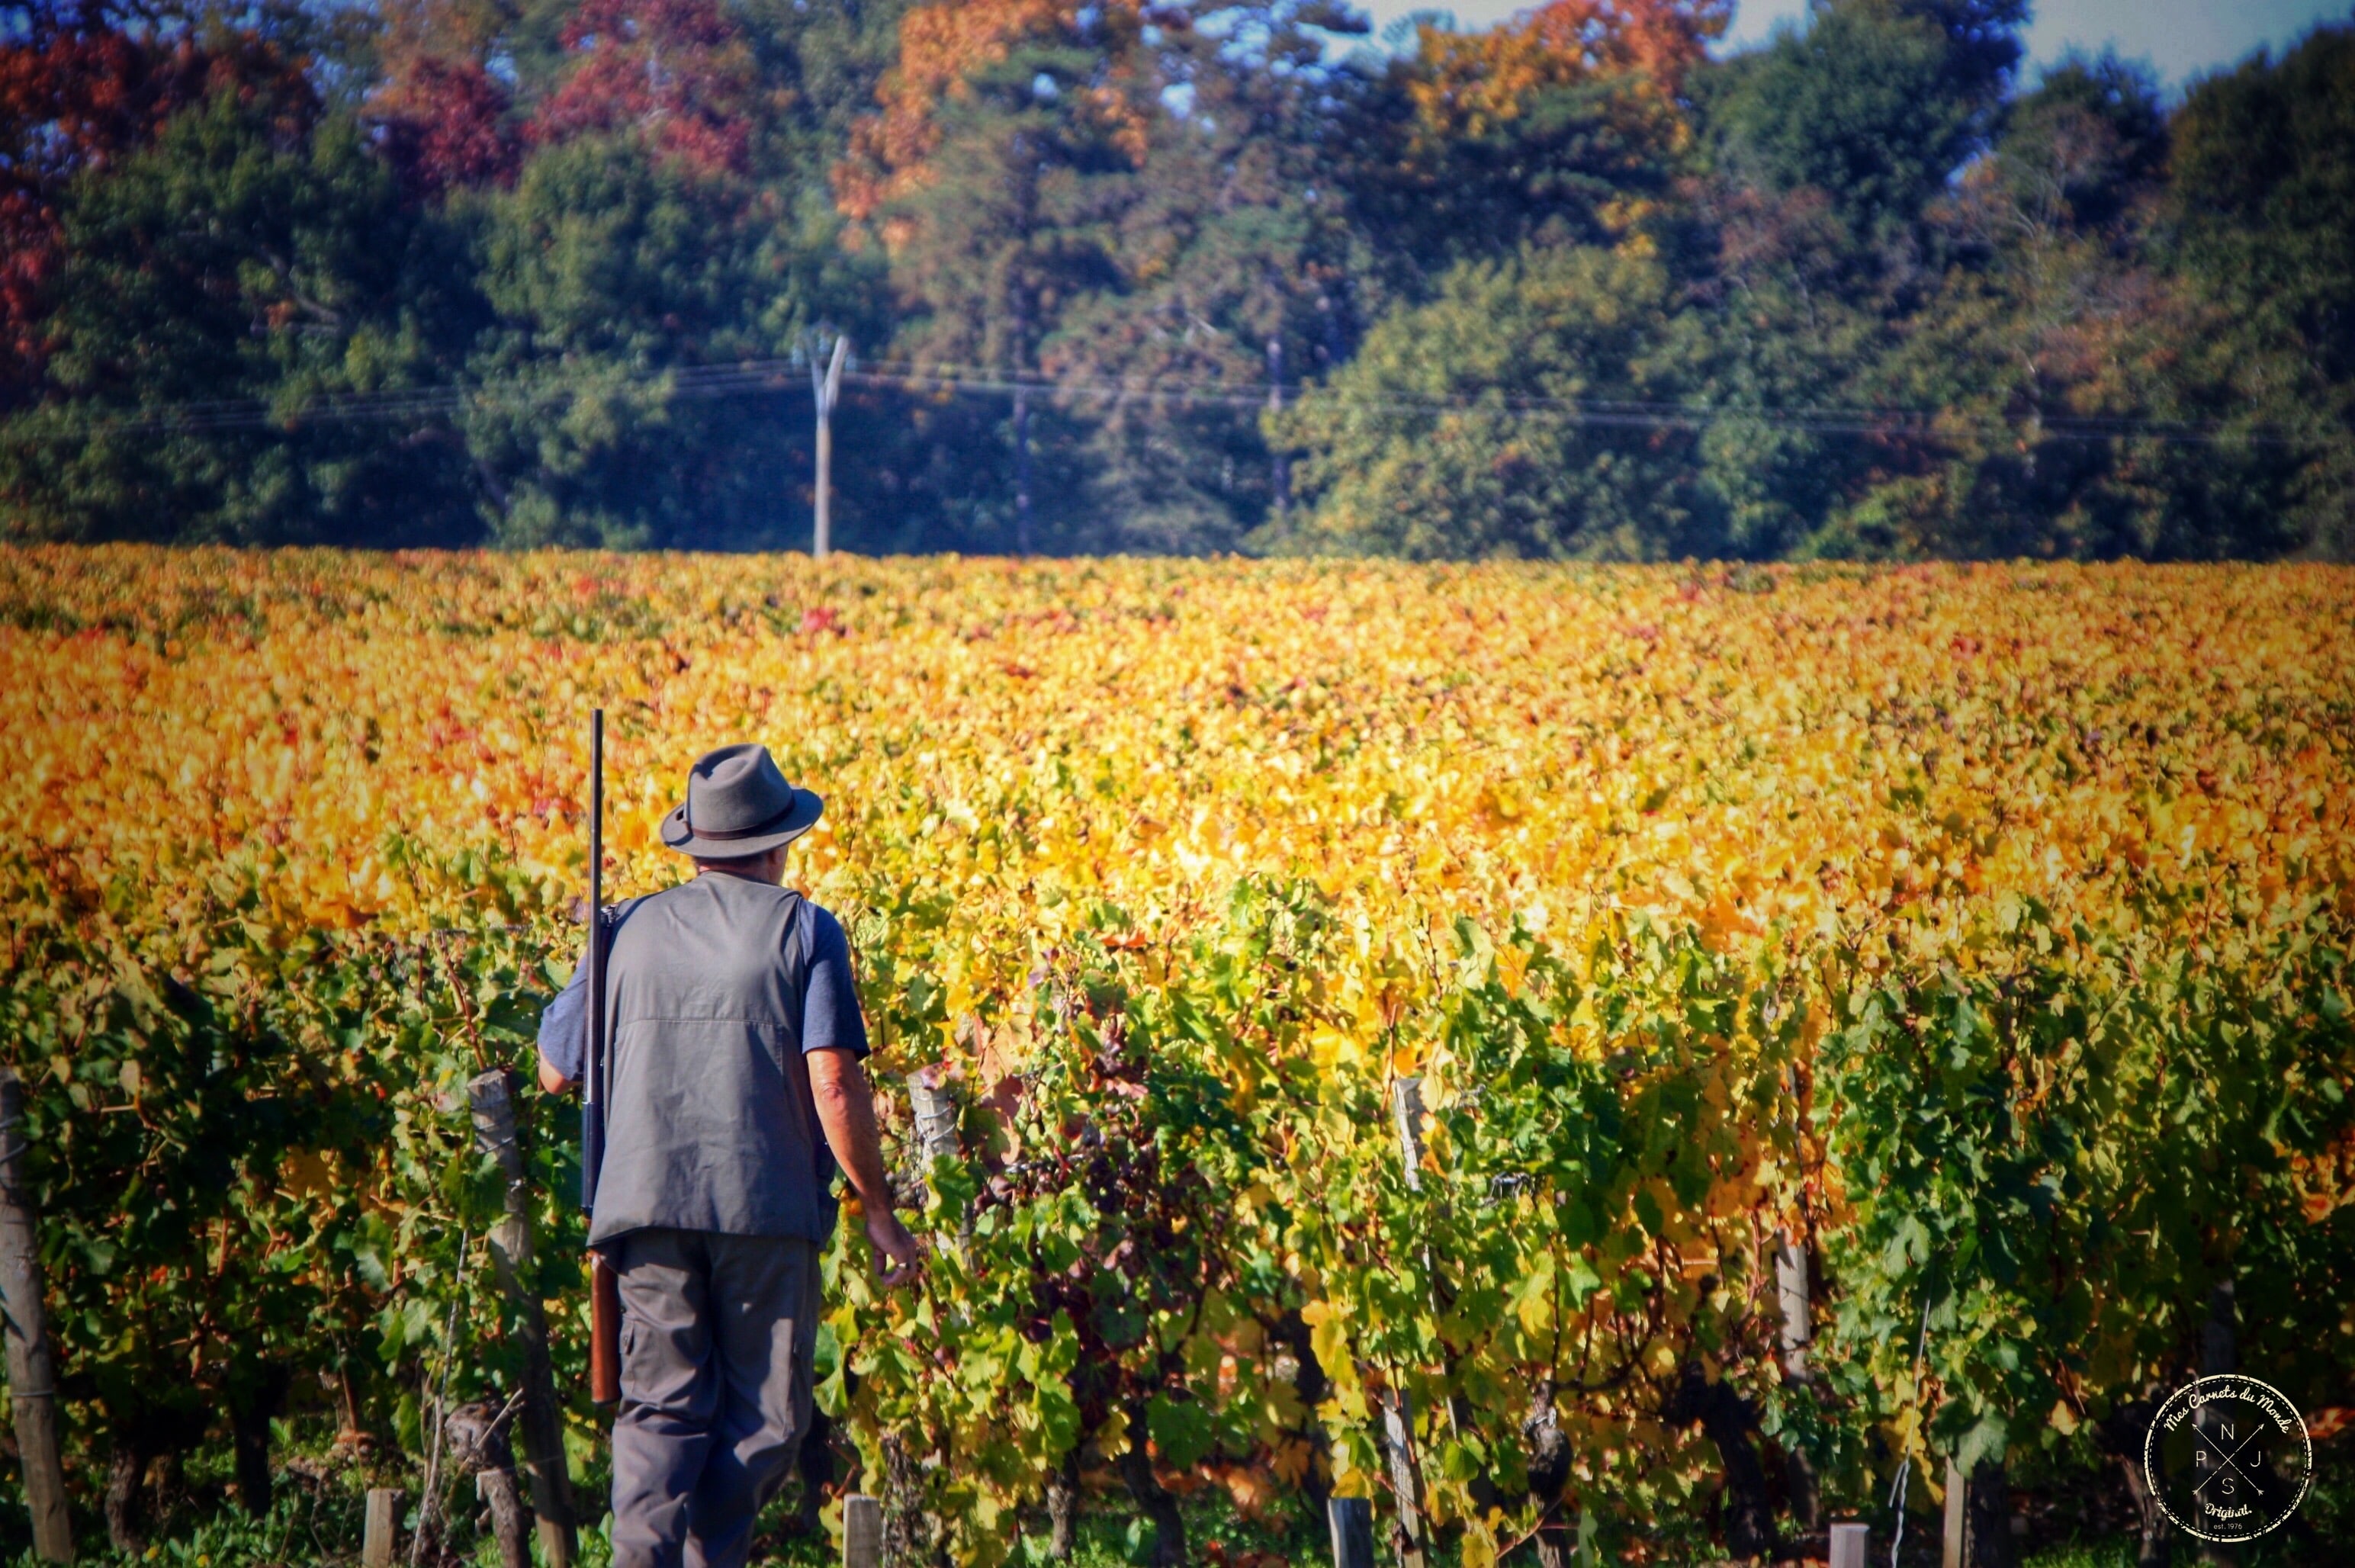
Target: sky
(2180, 39)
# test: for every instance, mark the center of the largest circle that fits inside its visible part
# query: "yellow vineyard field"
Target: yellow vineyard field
(1829, 751)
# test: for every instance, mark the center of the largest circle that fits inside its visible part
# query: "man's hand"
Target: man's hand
(846, 1109)
(898, 1257)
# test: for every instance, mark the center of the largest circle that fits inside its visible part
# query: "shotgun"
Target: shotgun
(604, 1287)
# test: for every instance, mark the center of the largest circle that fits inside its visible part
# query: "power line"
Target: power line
(1874, 420)
(786, 376)
(1929, 422)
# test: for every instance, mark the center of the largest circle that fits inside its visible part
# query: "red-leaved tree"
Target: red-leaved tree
(443, 124)
(677, 72)
(82, 85)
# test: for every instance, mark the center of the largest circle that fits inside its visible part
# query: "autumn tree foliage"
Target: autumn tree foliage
(677, 72)
(681, 74)
(1567, 124)
(1467, 83)
(944, 46)
(82, 85)
(441, 116)
(445, 125)
(1133, 229)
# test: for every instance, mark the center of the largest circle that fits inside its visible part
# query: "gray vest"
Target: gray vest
(708, 1122)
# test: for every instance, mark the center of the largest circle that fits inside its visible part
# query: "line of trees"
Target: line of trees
(1217, 276)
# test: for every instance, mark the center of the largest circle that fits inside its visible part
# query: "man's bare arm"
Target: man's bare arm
(564, 1032)
(846, 1109)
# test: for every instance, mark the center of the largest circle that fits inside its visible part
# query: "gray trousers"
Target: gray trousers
(717, 1336)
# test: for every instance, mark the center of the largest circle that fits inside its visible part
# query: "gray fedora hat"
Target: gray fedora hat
(738, 804)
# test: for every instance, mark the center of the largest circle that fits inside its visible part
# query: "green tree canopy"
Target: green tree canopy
(2262, 207)
(621, 280)
(1511, 416)
(1875, 103)
(246, 262)
(536, 271)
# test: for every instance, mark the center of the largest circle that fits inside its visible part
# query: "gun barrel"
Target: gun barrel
(592, 1116)
(604, 1287)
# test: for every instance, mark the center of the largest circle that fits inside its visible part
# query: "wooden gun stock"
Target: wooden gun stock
(604, 1331)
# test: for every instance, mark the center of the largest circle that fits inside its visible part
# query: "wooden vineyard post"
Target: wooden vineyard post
(497, 1489)
(862, 1531)
(1398, 1426)
(2220, 1353)
(1851, 1545)
(1797, 1336)
(543, 1417)
(479, 1445)
(24, 1324)
(936, 1115)
(1954, 1539)
(935, 1109)
(1406, 1109)
(381, 1531)
(906, 1532)
(1398, 1413)
(1351, 1520)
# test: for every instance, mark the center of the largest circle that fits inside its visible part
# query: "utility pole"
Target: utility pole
(1022, 468)
(826, 383)
(1021, 303)
(1279, 466)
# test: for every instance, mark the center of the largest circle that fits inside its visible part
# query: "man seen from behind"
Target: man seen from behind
(733, 1089)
